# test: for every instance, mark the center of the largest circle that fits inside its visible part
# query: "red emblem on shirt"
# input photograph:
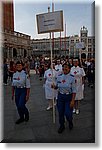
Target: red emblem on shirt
(49, 75)
(63, 81)
(18, 78)
(75, 72)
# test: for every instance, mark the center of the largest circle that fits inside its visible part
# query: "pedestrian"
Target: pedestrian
(21, 89)
(91, 74)
(70, 62)
(66, 96)
(58, 67)
(37, 64)
(5, 72)
(79, 75)
(41, 71)
(12, 69)
(50, 94)
(27, 67)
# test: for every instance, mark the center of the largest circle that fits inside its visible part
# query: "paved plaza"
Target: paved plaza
(40, 128)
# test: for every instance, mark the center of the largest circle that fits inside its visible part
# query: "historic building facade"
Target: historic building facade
(66, 46)
(14, 44)
(89, 43)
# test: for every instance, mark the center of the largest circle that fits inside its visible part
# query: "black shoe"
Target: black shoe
(70, 125)
(19, 121)
(91, 86)
(61, 129)
(26, 118)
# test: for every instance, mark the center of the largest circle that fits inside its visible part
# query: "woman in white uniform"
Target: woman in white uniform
(58, 68)
(79, 74)
(50, 94)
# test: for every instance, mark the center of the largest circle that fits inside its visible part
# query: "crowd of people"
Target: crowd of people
(63, 82)
(40, 65)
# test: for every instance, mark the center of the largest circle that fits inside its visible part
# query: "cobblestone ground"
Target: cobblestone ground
(40, 128)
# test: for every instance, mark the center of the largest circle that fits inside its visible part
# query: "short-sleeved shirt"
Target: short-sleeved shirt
(58, 69)
(66, 84)
(21, 79)
(50, 75)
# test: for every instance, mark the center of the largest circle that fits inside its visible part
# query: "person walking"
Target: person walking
(58, 67)
(79, 75)
(50, 94)
(12, 69)
(65, 84)
(5, 72)
(91, 74)
(21, 89)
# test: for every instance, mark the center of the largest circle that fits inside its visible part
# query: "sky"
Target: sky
(75, 13)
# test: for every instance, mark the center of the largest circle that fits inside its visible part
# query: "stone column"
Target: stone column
(20, 52)
(8, 52)
(12, 52)
(86, 55)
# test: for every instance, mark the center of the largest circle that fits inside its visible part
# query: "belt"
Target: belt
(65, 93)
(21, 87)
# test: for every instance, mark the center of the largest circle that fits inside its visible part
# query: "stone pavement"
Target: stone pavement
(40, 128)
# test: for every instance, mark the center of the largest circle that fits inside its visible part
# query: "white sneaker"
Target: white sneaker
(55, 104)
(74, 110)
(77, 111)
(49, 107)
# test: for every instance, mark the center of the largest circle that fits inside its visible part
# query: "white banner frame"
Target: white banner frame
(50, 22)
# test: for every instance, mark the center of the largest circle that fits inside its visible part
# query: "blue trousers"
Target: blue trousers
(20, 100)
(63, 105)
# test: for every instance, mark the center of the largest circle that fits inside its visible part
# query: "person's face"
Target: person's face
(75, 62)
(66, 69)
(58, 62)
(70, 61)
(19, 67)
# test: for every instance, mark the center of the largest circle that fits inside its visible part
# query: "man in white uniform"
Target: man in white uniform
(58, 67)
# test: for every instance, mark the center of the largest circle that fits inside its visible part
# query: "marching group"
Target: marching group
(63, 81)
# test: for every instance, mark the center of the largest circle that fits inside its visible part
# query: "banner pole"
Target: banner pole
(52, 79)
(52, 73)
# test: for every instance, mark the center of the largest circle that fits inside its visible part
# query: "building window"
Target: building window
(72, 41)
(89, 49)
(77, 41)
(83, 34)
(89, 40)
(93, 41)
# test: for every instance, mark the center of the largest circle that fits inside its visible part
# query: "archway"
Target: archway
(25, 53)
(83, 55)
(14, 52)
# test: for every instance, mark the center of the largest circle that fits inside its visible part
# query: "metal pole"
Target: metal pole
(60, 43)
(53, 32)
(65, 37)
(52, 73)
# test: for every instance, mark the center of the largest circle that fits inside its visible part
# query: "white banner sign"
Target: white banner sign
(50, 22)
(80, 45)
